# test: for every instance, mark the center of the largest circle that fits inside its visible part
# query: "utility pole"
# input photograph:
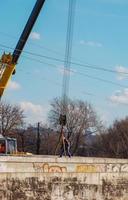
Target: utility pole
(38, 139)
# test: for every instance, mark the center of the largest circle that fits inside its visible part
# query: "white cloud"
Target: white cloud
(13, 85)
(28, 106)
(91, 43)
(35, 36)
(120, 97)
(104, 115)
(122, 72)
(34, 112)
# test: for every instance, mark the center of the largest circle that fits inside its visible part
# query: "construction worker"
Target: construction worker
(65, 147)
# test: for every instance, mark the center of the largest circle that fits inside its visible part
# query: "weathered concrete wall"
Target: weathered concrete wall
(52, 178)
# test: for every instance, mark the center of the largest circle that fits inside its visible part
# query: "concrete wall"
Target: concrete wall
(52, 178)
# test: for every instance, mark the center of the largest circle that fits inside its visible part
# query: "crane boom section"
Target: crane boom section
(5, 78)
(8, 61)
(27, 29)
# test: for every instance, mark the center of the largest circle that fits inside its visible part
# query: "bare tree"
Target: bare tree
(80, 117)
(48, 139)
(118, 138)
(11, 117)
(114, 141)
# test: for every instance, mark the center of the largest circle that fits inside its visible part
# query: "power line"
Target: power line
(73, 63)
(60, 85)
(80, 73)
(34, 44)
(87, 65)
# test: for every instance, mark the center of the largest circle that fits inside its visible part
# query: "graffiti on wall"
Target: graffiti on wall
(102, 168)
(83, 168)
(90, 168)
(41, 167)
(86, 168)
(116, 168)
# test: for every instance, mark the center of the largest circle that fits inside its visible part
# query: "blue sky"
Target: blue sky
(100, 40)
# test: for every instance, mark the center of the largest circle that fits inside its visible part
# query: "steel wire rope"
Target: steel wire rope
(68, 54)
(66, 76)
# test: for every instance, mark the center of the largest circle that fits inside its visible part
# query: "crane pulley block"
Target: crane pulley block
(6, 59)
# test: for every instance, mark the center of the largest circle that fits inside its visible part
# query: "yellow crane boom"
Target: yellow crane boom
(6, 70)
(9, 61)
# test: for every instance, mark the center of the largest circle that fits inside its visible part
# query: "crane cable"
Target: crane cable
(66, 71)
(68, 53)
